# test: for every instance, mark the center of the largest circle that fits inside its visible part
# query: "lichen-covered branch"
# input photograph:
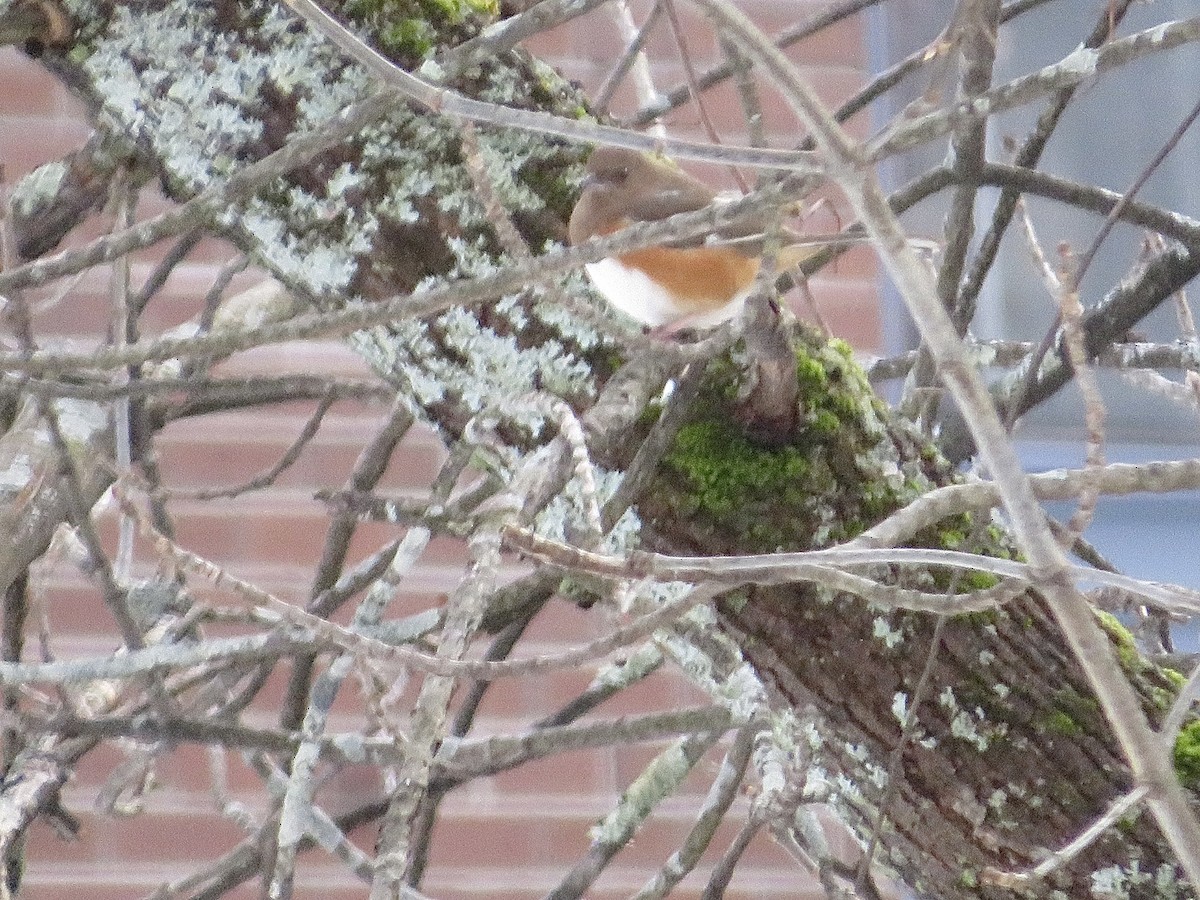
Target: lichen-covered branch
(369, 207)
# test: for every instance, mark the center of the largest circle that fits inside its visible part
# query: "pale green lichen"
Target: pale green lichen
(883, 630)
(976, 729)
(742, 692)
(876, 775)
(633, 667)
(971, 725)
(79, 421)
(775, 763)
(946, 699)
(818, 785)
(659, 779)
(848, 790)
(1119, 882)
(17, 475)
(199, 107)
(813, 737)
(36, 188)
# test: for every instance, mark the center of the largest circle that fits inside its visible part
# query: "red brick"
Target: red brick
(509, 836)
(849, 308)
(574, 774)
(55, 138)
(86, 309)
(31, 89)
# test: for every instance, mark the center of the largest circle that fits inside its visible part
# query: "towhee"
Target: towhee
(675, 286)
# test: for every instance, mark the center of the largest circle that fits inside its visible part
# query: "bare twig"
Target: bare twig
(1150, 764)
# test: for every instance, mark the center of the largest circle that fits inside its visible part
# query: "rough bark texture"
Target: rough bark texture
(1011, 755)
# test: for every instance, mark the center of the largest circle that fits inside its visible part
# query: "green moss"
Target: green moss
(438, 12)
(460, 9)
(832, 389)
(980, 618)
(1177, 678)
(649, 415)
(1080, 706)
(977, 581)
(554, 186)
(1000, 546)
(824, 422)
(735, 601)
(952, 538)
(409, 37)
(1187, 755)
(725, 472)
(1058, 722)
(827, 478)
(1127, 824)
(1122, 639)
(408, 30)
(811, 373)
(960, 532)
(1162, 698)
(1158, 686)
(1072, 714)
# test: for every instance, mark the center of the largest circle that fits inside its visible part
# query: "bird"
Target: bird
(669, 287)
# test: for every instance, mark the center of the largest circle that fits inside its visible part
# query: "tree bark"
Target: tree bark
(1010, 755)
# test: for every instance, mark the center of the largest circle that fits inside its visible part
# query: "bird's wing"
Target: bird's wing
(655, 205)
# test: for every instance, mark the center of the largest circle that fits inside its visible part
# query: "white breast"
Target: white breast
(634, 293)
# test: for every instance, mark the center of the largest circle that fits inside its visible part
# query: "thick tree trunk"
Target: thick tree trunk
(1010, 756)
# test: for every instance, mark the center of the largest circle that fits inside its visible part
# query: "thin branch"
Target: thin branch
(444, 101)
(831, 15)
(1026, 158)
(659, 779)
(268, 477)
(824, 567)
(721, 794)
(1116, 479)
(459, 761)
(1081, 65)
(1059, 858)
(1149, 763)
(973, 35)
(419, 305)
(629, 57)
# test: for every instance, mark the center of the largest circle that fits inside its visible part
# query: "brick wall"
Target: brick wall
(509, 836)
